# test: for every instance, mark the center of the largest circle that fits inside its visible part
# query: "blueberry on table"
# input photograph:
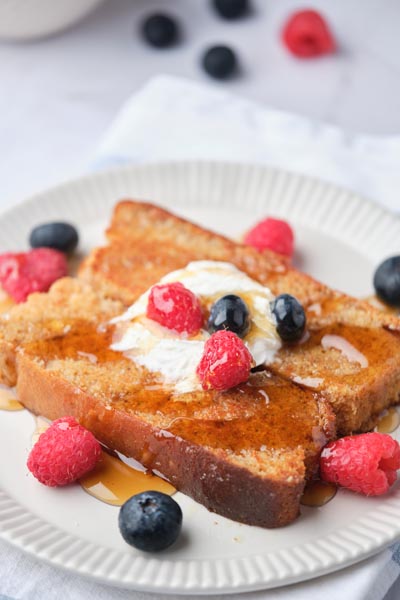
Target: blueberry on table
(220, 62)
(230, 313)
(160, 30)
(150, 521)
(290, 317)
(387, 281)
(59, 236)
(231, 9)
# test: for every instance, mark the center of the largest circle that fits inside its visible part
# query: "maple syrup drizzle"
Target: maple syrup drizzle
(377, 303)
(317, 493)
(113, 482)
(41, 425)
(388, 421)
(343, 346)
(6, 302)
(8, 400)
(266, 409)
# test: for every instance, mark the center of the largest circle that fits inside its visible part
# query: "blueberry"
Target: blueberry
(60, 236)
(150, 521)
(290, 317)
(231, 313)
(160, 30)
(220, 62)
(387, 281)
(231, 9)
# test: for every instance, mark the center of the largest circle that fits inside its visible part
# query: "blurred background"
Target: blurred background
(58, 94)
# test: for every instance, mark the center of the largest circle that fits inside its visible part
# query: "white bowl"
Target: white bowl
(30, 19)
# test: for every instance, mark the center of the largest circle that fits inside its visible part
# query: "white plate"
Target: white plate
(340, 238)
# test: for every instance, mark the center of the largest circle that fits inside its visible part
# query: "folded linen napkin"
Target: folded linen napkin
(176, 119)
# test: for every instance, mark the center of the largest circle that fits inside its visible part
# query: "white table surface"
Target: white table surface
(58, 95)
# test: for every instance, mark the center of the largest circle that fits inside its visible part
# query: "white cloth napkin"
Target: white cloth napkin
(177, 119)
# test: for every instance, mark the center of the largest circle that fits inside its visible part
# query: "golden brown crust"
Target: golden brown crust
(209, 476)
(147, 242)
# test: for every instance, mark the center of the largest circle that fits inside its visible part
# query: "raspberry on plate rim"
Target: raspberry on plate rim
(272, 234)
(365, 463)
(22, 273)
(63, 453)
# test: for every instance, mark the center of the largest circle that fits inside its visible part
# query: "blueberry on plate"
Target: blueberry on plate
(150, 521)
(387, 281)
(231, 9)
(58, 235)
(290, 317)
(220, 62)
(160, 30)
(231, 313)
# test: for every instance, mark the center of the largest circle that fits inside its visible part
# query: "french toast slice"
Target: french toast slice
(146, 242)
(45, 316)
(244, 454)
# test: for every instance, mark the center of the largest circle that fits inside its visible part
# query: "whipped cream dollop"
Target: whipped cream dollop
(176, 356)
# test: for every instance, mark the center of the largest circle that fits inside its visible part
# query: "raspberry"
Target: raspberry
(175, 307)
(226, 362)
(63, 453)
(23, 273)
(306, 34)
(364, 463)
(274, 234)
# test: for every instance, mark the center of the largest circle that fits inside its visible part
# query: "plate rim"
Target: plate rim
(167, 164)
(252, 573)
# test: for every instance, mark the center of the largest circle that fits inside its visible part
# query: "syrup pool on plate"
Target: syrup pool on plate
(388, 421)
(113, 481)
(317, 493)
(8, 399)
(41, 424)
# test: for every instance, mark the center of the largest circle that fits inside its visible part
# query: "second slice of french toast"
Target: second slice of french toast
(352, 354)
